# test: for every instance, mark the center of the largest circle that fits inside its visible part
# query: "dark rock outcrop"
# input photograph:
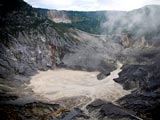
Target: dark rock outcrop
(139, 76)
(145, 99)
(74, 114)
(132, 76)
(12, 109)
(106, 110)
(101, 75)
(29, 111)
(146, 105)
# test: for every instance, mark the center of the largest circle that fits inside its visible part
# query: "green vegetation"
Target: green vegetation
(60, 29)
(86, 21)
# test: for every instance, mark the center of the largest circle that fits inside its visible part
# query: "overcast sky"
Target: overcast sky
(91, 5)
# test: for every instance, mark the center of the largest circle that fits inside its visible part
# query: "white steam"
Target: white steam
(141, 21)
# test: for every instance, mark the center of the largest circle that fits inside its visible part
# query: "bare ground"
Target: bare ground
(76, 88)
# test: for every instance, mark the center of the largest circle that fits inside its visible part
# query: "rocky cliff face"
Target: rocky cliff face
(58, 16)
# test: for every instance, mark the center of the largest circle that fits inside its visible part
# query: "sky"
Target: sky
(91, 5)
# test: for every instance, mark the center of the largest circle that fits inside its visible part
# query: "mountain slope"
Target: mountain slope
(29, 41)
(140, 22)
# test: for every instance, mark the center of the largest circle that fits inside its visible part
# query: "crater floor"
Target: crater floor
(62, 85)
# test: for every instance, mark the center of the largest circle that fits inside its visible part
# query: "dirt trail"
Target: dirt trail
(61, 83)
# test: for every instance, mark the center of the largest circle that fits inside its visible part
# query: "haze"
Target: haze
(91, 5)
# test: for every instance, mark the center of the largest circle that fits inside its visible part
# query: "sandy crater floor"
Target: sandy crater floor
(56, 85)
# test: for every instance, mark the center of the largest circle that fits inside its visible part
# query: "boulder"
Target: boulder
(101, 75)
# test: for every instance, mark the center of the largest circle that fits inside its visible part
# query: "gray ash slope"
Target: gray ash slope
(30, 41)
(26, 38)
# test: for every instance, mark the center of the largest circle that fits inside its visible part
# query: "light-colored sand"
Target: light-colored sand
(56, 84)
